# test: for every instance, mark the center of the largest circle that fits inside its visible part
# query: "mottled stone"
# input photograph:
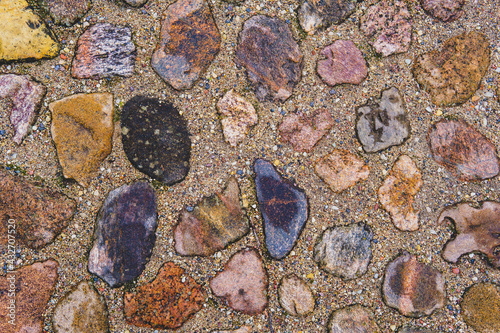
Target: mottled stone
(445, 10)
(189, 42)
(67, 12)
(398, 191)
(82, 130)
(462, 150)
(156, 139)
(239, 115)
(413, 288)
(125, 234)
(242, 329)
(165, 303)
(317, 14)
(135, 3)
(270, 55)
(295, 296)
(480, 307)
(352, 319)
(453, 74)
(283, 206)
(23, 97)
(243, 282)
(411, 329)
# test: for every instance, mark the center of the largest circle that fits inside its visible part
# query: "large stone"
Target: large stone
(125, 234)
(317, 14)
(295, 296)
(352, 319)
(445, 10)
(270, 55)
(480, 307)
(189, 42)
(67, 12)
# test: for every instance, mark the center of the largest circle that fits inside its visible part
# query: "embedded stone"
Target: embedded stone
(480, 307)
(317, 14)
(354, 318)
(295, 296)
(135, 3)
(408, 329)
(445, 10)
(67, 12)
(242, 329)
(239, 116)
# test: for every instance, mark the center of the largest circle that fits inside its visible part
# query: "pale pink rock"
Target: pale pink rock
(239, 115)
(295, 296)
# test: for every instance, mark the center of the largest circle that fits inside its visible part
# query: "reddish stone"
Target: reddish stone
(445, 10)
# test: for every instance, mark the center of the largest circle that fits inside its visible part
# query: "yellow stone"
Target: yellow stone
(310, 276)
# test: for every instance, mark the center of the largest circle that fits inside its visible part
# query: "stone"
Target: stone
(67, 12)
(295, 296)
(82, 310)
(34, 285)
(239, 115)
(156, 139)
(283, 206)
(480, 307)
(23, 97)
(444, 10)
(345, 251)
(271, 57)
(341, 169)
(38, 213)
(408, 329)
(387, 26)
(413, 288)
(317, 14)
(243, 283)
(23, 34)
(462, 150)
(167, 302)
(453, 74)
(242, 329)
(189, 43)
(354, 318)
(344, 63)
(135, 3)
(125, 234)
(398, 191)
(212, 224)
(382, 123)
(303, 131)
(104, 50)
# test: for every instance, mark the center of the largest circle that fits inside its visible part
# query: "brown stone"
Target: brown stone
(445, 10)
(480, 307)
(239, 115)
(67, 12)
(352, 319)
(317, 14)
(295, 296)
(242, 329)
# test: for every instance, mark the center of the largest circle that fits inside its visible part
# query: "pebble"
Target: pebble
(135, 3)
(480, 307)
(242, 329)
(314, 14)
(67, 12)
(295, 296)
(352, 319)
(412, 329)
(239, 115)
(444, 10)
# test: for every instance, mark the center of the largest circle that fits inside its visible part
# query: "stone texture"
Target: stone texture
(408, 329)
(352, 319)
(82, 130)
(271, 57)
(242, 329)
(125, 234)
(317, 14)
(295, 296)
(239, 116)
(283, 206)
(189, 42)
(398, 191)
(243, 282)
(135, 3)
(480, 307)
(453, 74)
(67, 12)
(445, 10)
(165, 303)
(462, 150)
(156, 139)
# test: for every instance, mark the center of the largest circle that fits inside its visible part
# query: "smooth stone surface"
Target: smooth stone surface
(125, 234)
(156, 139)
(480, 307)
(67, 12)
(317, 14)
(352, 319)
(295, 296)
(445, 10)
(239, 115)
(283, 206)
(135, 3)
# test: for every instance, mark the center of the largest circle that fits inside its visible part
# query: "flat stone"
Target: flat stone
(271, 57)
(317, 14)
(135, 3)
(453, 74)
(344, 63)
(242, 329)
(354, 318)
(156, 139)
(445, 10)
(283, 206)
(345, 251)
(239, 115)
(295, 296)
(413, 288)
(189, 42)
(462, 150)
(398, 191)
(165, 303)
(104, 50)
(212, 224)
(24, 98)
(480, 307)
(303, 131)
(67, 12)
(243, 283)
(382, 123)
(408, 329)
(82, 130)
(125, 234)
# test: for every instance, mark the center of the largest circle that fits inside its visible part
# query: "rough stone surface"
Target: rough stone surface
(189, 42)
(408, 329)
(295, 296)
(156, 139)
(67, 12)
(125, 234)
(242, 329)
(317, 14)
(239, 115)
(480, 307)
(352, 319)
(445, 10)
(270, 55)
(135, 3)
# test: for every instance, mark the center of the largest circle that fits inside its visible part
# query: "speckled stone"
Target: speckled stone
(242, 329)
(295, 296)
(445, 10)
(67, 12)
(412, 329)
(480, 307)
(239, 115)
(352, 319)
(135, 3)
(317, 14)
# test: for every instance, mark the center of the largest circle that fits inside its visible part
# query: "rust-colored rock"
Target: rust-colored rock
(239, 115)
(480, 307)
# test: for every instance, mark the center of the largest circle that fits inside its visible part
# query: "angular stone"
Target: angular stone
(243, 282)
(413, 288)
(67, 12)
(317, 14)
(283, 206)
(125, 234)
(304, 131)
(462, 150)
(341, 169)
(104, 50)
(214, 222)
(167, 302)
(24, 98)
(239, 115)
(295, 296)
(387, 25)
(398, 191)
(354, 318)
(445, 10)
(82, 310)
(408, 329)
(453, 74)
(135, 3)
(189, 42)
(382, 123)
(344, 63)
(345, 251)
(271, 57)
(156, 139)
(480, 307)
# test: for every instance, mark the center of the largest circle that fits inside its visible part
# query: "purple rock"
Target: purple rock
(445, 10)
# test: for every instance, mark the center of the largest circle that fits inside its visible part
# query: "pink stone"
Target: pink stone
(239, 115)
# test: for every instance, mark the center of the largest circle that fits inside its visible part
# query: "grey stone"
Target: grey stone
(316, 14)
(135, 3)
(352, 319)
(67, 12)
